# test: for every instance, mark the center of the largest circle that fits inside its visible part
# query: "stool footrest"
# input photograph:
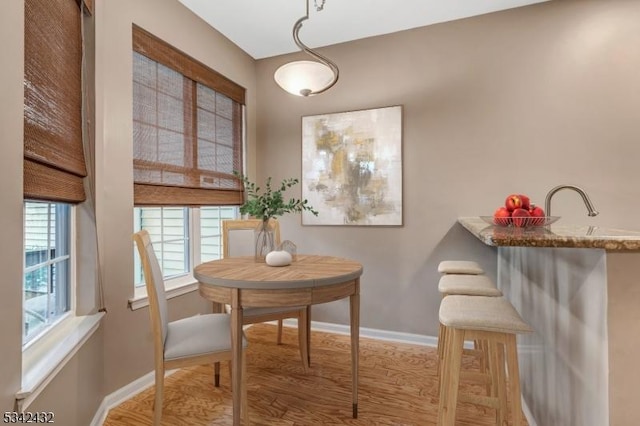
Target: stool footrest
(474, 376)
(487, 401)
(472, 352)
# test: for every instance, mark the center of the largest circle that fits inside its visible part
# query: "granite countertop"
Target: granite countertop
(554, 235)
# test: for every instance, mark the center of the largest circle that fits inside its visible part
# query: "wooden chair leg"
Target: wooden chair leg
(279, 338)
(216, 368)
(243, 385)
(514, 380)
(157, 403)
(302, 340)
(309, 335)
(217, 308)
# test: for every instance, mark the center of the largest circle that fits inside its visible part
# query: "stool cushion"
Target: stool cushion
(459, 267)
(471, 285)
(481, 313)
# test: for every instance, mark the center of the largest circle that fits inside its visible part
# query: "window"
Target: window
(47, 269)
(54, 165)
(211, 230)
(54, 171)
(188, 123)
(182, 237)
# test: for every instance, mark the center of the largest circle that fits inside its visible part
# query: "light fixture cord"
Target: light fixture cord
(307, 50)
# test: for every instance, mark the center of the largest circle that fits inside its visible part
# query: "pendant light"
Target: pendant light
(307, 78)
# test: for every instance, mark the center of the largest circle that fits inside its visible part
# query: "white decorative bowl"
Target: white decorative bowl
(278, 258)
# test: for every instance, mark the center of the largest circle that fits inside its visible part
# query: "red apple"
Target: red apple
(513, 202)
(537, 215)
(502, 216)
(520, 218)
(526, 202)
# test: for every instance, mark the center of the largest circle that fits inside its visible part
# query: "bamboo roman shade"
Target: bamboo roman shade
(53, 155)
(187, 128)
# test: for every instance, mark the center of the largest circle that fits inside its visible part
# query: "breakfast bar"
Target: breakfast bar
(579, 288)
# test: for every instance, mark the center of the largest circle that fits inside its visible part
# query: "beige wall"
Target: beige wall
(75, 394)
(516, 101)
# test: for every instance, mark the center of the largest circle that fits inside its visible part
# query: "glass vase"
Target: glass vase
(264, 239)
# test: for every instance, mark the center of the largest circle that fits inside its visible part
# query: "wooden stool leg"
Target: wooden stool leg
(441, 333)
(483, 347)
(441, 347)
(498, 380)
(452, 378)
(445, 337)
(514, 380)
(443, 370)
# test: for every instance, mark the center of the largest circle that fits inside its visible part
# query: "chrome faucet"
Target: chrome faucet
(585, 198)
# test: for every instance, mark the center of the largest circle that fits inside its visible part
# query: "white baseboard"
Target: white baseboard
(371, 333)
(124, 393)
(132, 389)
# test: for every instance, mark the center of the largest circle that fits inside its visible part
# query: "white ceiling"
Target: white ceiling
(262, 28)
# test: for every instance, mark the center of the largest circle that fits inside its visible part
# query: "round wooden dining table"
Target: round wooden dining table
(311, 279)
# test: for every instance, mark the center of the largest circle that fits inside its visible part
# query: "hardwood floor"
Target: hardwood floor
(398, 386)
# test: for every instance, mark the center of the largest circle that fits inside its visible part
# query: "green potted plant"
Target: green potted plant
(268, 203)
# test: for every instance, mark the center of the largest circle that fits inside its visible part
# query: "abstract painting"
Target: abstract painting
(352, 167)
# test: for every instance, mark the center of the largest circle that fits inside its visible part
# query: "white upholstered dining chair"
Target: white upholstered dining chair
(237, 240)
(197, 340)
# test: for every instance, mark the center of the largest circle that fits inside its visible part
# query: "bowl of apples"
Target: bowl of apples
(519, 212)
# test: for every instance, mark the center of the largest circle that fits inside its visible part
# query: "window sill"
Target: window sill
(173, 288)
(46, 357)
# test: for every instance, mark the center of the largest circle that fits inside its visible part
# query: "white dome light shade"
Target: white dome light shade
(302, 78)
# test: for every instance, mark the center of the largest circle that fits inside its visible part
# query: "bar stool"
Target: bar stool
(467, 267)
(469, 285)
(495, 321)
(463, 277)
